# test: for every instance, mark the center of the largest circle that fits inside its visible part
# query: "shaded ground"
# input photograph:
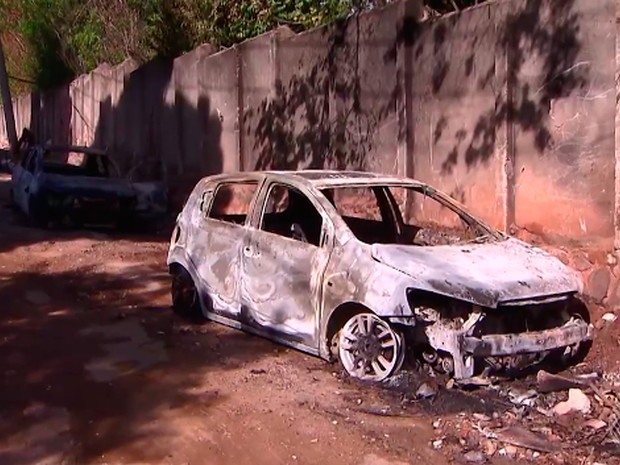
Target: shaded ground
(95, 369)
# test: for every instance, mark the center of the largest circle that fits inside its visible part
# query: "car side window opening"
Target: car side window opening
(366, 212)
(401, 215)
(232, 201)
(289, 213)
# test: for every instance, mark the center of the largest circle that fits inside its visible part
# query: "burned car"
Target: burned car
(81, 186)
(365, 268)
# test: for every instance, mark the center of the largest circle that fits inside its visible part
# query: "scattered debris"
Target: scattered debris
(258, 371)
(474, 456)
(489, 447)
(519, 397)
(383, 411)
(595, 424)
(474, 381)
(535, 422)
(518, 436)
(577, 402)
(548, 382)
(437, 444)
(508, 451)
(609, 317)
(425, 391)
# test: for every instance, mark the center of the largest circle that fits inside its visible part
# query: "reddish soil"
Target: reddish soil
(81, 384)
(94, 369)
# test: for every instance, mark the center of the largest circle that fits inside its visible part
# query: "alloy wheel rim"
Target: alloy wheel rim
(369, 348)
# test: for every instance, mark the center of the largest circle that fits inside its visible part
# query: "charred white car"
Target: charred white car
(358, 266)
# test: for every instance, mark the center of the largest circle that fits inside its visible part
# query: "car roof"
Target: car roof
(323, 178)
(76, 149)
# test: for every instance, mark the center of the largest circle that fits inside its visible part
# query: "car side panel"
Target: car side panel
(22, 181)
(281, 285)
(353, 277)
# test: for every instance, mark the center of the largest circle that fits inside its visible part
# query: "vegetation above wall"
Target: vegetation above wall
(48, 42)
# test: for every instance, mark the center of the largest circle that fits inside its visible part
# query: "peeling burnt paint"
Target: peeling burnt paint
(290, 290)
(483, 274)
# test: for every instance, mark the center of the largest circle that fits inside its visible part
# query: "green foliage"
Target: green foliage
(38, 26)
(64, 38)
(176, 26)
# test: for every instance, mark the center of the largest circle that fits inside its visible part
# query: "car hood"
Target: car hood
(87, 185)
(486, 274)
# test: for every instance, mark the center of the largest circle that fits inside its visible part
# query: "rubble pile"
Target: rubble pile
(550, 419)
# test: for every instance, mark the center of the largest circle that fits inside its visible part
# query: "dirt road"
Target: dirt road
(96, 370)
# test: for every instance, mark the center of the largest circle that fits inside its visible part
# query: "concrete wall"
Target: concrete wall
(453, 90)
(564, 147)
(509, 107)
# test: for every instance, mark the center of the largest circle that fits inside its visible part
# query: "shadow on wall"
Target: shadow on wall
(329, 112)
(146, 130)
(524, 35)
(49, 115)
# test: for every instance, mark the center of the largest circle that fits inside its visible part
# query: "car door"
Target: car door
(22, 179)
(216, 248)
(283, 260)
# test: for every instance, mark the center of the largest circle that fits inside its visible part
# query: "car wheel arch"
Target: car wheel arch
(337, 319)
(175, 268)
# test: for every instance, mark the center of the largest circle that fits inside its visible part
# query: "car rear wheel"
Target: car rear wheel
(38, 214)
(185, 300)
(369, 348)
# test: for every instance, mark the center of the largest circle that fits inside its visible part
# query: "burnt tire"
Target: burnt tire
(185, 300)
(37, 213)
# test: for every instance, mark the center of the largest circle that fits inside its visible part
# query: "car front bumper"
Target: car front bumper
(573, 332)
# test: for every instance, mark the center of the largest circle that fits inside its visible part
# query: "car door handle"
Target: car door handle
(247, 251)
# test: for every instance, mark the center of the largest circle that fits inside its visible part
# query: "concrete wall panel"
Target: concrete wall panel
(376, 131)
(217, 113)
(295, 123)
(453, 120)
(258, 70)
(564, 118)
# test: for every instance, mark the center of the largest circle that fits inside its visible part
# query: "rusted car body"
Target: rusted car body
(83, 186)
(359, 266)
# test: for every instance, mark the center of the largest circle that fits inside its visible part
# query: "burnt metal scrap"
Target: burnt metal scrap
(82, 186)
(359, 266)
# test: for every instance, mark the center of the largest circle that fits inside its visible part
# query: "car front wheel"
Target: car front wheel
(369, 348)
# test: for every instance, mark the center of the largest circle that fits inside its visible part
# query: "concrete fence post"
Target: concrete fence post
(616, 213)
(9, 116)
(239, 123)
(504, 134)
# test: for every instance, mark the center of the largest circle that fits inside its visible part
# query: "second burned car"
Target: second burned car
(360, 267)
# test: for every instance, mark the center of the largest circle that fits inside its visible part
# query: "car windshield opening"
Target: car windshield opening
(70, 163)
(382, 214)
